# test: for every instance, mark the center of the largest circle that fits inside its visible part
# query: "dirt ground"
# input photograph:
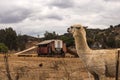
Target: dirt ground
(44, 68)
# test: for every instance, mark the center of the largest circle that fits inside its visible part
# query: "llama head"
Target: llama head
(77, 30)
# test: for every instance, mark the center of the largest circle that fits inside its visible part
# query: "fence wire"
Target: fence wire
(68, 70)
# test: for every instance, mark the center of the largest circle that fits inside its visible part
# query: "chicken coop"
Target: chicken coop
(51, 48)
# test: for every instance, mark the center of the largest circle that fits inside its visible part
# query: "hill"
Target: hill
(96, 38)
(106, 38)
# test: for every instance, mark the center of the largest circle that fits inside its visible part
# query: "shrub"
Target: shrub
(3, 48)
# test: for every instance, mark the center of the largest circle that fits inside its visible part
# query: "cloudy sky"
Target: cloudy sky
(34, 17)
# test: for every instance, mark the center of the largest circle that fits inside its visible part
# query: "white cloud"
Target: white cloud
(36, 16)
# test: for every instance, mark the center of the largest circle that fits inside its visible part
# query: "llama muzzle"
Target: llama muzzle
(68, 30)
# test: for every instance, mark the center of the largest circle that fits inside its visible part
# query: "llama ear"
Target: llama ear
(85, 27)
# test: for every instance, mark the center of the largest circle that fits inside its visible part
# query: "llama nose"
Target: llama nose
(68, 30)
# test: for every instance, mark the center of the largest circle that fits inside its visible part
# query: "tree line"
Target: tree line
(107, 38)
(9, 37)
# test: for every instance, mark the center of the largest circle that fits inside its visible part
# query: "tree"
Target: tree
(2, 36)
(111, 27)
(117, 43)
(68, 39)
(21, 41)
(11, 39)
(48, 35)
(3, 48)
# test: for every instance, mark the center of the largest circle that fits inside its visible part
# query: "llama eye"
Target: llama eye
(71, 27)
(77, 27)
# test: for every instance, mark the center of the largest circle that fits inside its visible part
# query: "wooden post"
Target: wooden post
(117, 66)
(7, 66)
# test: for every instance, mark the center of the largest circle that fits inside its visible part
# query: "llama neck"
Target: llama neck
(81, 45)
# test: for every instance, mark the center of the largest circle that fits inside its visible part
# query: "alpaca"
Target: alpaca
(100, 63)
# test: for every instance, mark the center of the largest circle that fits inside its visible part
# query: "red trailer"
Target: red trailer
(51, 48)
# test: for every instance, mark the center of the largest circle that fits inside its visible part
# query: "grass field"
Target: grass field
(44, 68)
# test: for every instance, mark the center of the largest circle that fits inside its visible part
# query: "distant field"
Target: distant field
(39, 68)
